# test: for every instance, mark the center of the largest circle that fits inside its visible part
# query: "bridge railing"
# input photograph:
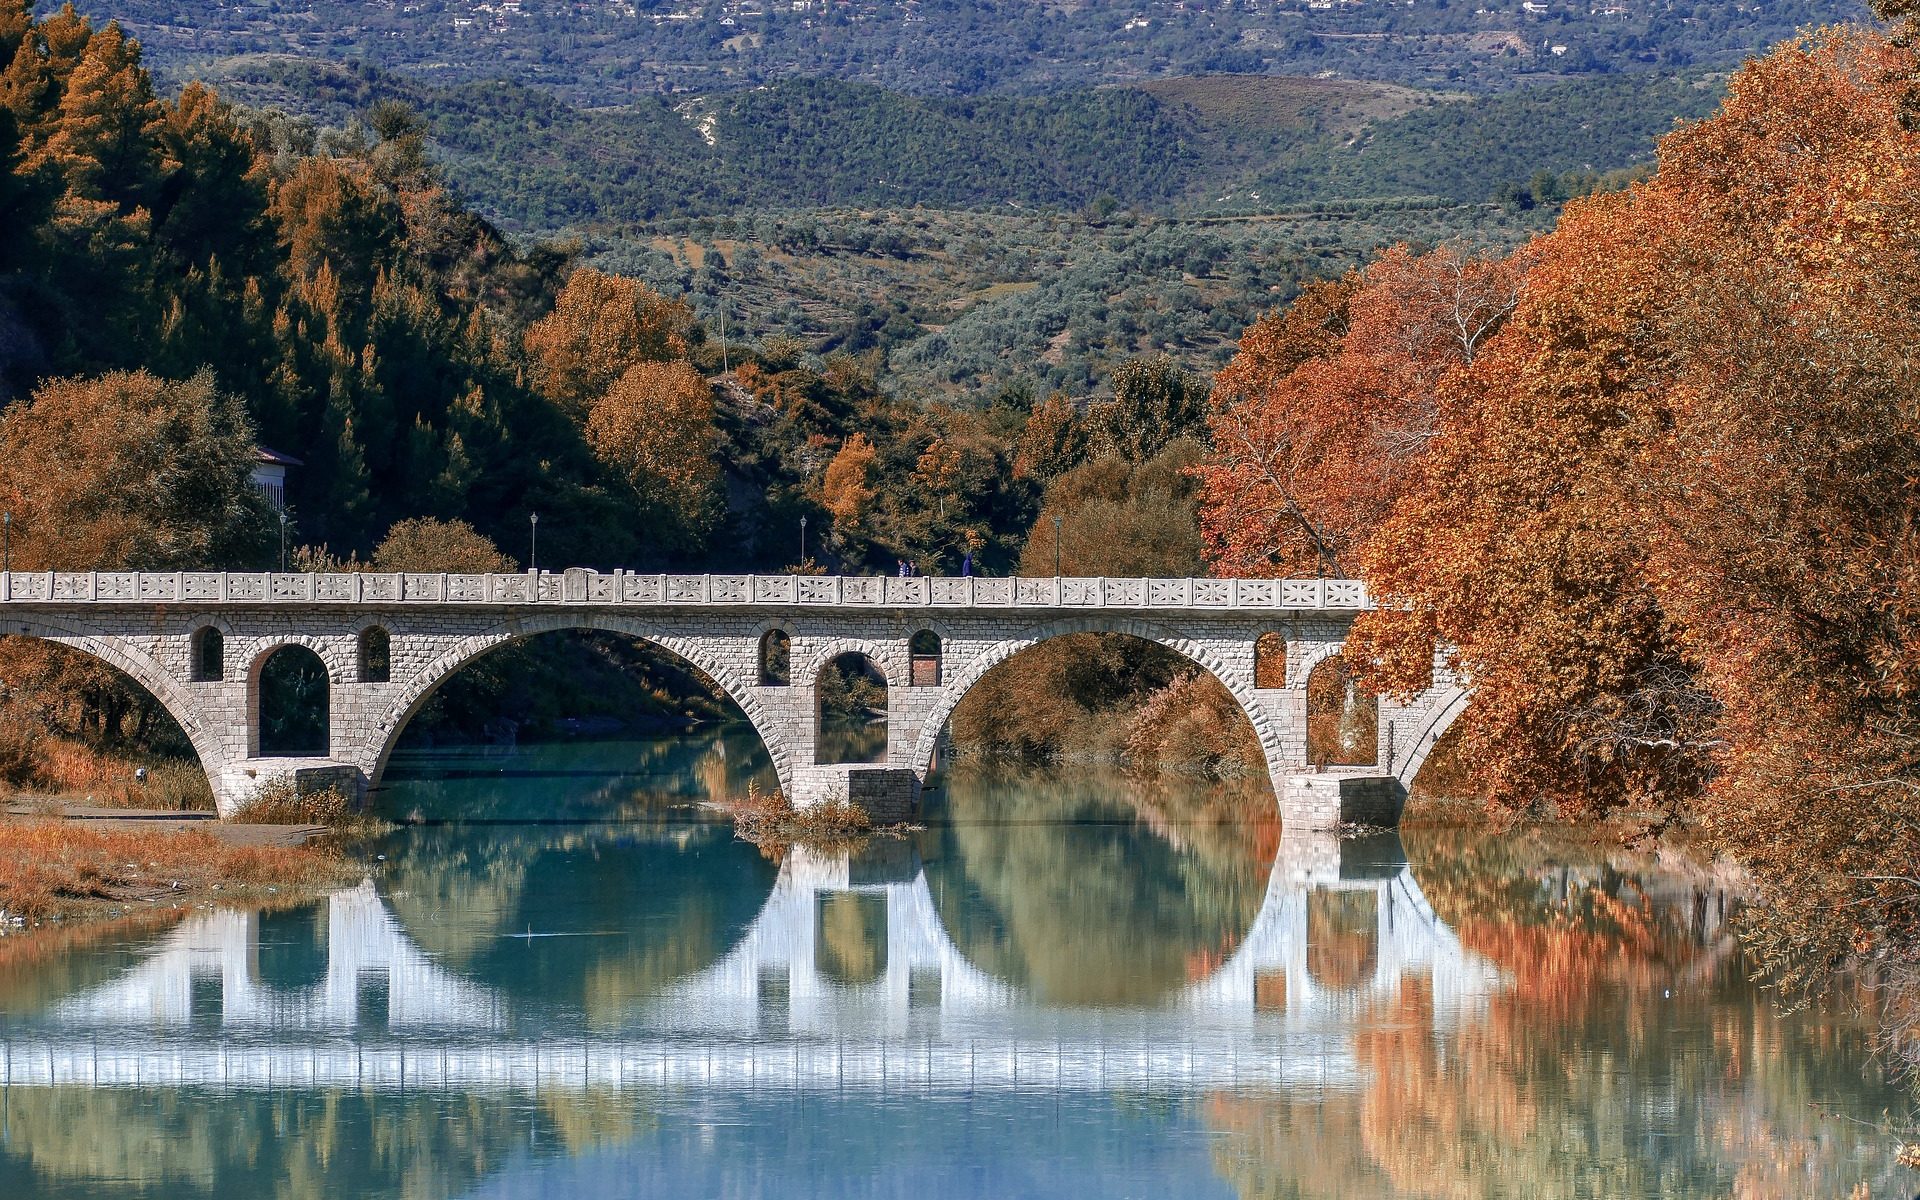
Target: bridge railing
(581, 587)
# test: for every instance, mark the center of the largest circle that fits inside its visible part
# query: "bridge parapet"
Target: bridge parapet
(624, 588)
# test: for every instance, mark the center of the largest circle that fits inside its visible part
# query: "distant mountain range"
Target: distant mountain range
(605, 51)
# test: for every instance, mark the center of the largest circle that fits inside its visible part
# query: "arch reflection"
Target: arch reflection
(1079, 889)
(848, 947)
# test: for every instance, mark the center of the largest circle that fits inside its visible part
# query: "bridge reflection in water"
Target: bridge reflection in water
(846, 979)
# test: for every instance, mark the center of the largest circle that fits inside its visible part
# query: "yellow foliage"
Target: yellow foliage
(430, 544)
(655, 427)
(602, 326)
(844, 490)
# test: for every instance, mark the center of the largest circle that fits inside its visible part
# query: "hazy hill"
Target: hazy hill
(599, 53)
(1466, 151)
(1212, 144)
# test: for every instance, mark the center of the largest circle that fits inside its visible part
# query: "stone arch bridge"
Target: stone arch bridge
(198, 641)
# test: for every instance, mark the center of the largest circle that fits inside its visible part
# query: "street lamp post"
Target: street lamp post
(6, 542)
(1056, 547)
(283, 541)
(533, 542)
(803, 539)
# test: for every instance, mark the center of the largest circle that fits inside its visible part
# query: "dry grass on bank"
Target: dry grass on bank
(47, 764)
(768, 819)
(63, 869)
(281, 802)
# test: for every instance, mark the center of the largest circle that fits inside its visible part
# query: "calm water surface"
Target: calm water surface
(564, 978)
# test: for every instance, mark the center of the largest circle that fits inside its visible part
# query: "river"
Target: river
(562, 976)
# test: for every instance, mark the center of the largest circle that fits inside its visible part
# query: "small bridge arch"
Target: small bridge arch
(165, 682)
(1219, 661)
(1444, 706)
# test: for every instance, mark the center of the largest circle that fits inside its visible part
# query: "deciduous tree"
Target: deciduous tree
(1053, 442)
(1318, 419)
(430, 544)
(655, 427)
(602, 326)
(123, 472)
(1784, 507)
(130, 472)
(1155, 402)
(845, 491)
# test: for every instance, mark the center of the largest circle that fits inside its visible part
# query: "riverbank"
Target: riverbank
(67, 867)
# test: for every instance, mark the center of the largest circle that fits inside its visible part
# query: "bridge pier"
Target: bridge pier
(888, 795)
(1328, 801)
(241, 781)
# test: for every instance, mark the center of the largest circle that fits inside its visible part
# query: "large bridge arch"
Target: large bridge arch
(738, 680)
(1236, 678)
(162, 683)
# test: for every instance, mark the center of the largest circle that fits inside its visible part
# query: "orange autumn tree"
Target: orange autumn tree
(655, 427)
(124, 472)
(1667, 524)
(1784, 507)
(1054, 440)
(430, 544)
(130, 472)
(1515, 542)
(602, 326)
(1318, 418)
(845, 491)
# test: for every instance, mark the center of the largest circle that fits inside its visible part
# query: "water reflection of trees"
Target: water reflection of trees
(851, 740)
(1088, 888)
(318, 1145)
(1629, 1055)
(642, 889)
(606, 915)
(53, 963)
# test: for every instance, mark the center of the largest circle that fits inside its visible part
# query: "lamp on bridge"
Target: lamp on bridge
(283, 541)
(6, 542)
(1056, 546)
(533, 542)
(803, 539)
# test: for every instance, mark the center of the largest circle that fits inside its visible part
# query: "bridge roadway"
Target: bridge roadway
(199, 642)
(195, 1012)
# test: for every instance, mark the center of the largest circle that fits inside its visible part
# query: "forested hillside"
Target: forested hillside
(329, 296)
(1216, 144)
(600, 54)
(969, 304)
(969, 246)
